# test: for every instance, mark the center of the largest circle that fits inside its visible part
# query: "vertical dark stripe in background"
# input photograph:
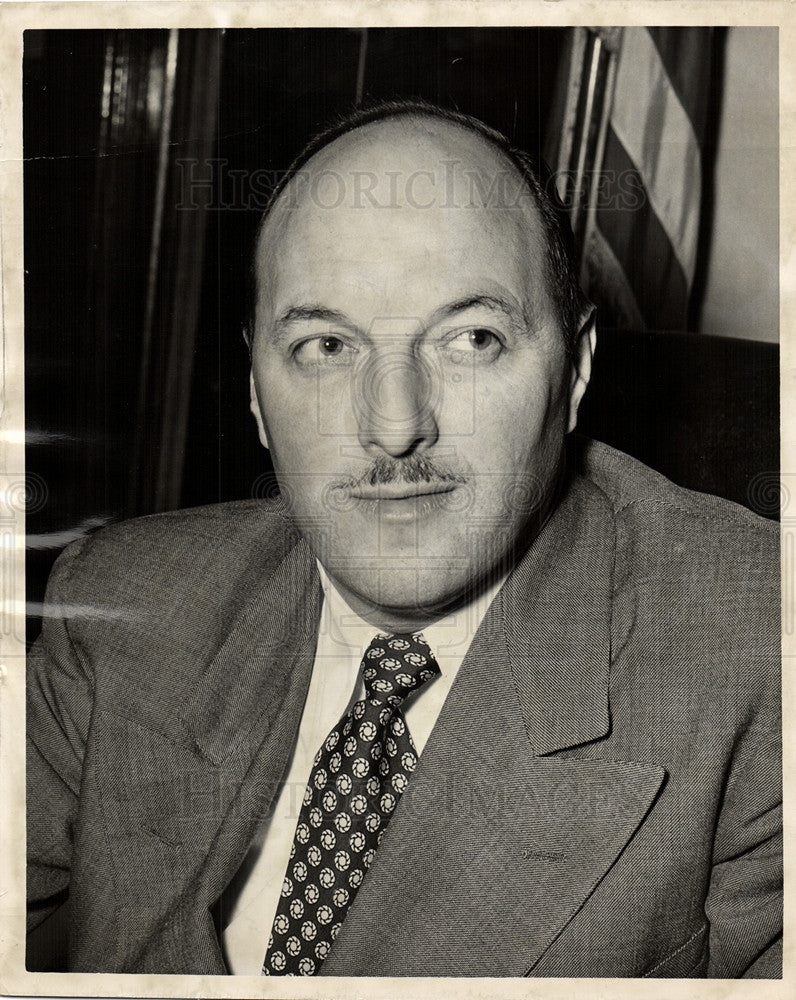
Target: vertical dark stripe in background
(709, 144)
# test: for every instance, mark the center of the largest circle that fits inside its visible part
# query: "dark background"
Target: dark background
(136, 371)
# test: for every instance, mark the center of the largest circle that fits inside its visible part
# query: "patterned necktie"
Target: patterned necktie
(357, 778)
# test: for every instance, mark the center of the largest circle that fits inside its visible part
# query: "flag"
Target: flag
(641, 244)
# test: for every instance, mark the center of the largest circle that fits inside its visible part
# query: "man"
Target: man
(471, 699)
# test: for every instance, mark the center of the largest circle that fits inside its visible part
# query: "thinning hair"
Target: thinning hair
(561, 271)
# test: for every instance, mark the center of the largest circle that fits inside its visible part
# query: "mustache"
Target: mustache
(412, 469)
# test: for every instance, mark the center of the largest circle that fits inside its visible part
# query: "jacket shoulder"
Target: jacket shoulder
(201, 550)
(695, 578)
(639, 494)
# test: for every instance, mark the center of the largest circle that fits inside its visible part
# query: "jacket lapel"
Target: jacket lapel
(212, 776)
(244, 687)
(246, 719)
(495, 846)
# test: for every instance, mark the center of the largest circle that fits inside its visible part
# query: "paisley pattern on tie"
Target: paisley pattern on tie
(357, 778)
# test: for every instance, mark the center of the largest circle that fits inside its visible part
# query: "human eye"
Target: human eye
(473, 344)
(327, 350)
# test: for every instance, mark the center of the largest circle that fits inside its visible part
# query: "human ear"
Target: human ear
(583, 352)
(255, 408)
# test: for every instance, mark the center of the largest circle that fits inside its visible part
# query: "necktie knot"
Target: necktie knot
(395, 665)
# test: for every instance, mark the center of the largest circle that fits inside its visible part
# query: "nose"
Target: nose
(395, 404)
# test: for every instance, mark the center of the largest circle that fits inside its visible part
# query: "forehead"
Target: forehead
(398, 208)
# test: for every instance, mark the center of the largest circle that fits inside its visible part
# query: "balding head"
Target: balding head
(427, 190)
(414, 156)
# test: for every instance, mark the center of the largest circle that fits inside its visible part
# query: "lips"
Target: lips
(401, 491)
(404, 503)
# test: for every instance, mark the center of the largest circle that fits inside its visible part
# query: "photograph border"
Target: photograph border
(14, 19)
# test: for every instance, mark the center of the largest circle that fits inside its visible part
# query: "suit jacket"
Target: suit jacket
(600, 795)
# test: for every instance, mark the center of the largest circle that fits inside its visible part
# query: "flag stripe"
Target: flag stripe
(652, 125)
(635, 234)
(687, 58)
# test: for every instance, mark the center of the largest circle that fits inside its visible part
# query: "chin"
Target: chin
(401, 599)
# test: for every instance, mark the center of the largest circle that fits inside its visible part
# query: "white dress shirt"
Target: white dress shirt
(335, 685)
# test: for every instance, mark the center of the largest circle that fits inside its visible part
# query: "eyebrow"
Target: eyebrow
(298, 313)
(307, 313)
(492, 302)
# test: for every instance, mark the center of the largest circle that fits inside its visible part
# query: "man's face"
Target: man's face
(409, 367)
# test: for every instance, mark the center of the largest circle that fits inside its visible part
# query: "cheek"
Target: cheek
(512, 419)
(518, 448)
(297, 419)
